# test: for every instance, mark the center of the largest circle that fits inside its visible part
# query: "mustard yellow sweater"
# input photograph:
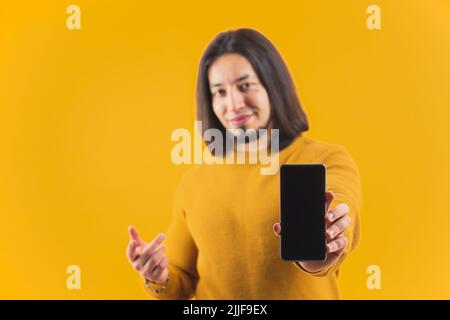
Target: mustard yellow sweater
(220, 243)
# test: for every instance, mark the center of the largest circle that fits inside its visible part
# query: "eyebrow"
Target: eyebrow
(245, 76)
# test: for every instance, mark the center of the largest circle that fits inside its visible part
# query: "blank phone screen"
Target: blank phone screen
(302, 212)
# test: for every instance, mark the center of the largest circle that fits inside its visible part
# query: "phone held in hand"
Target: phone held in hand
(302, 212)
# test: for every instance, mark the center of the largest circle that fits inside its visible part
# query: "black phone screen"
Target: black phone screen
(302, 212)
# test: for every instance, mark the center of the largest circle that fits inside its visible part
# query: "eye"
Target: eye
(219, 93)
(244, 86)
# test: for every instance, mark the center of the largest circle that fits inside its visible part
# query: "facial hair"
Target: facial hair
(251, 137)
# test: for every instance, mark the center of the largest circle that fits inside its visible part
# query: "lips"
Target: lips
(240, 120)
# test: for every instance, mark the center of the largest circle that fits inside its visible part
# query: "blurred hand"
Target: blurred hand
(148, 258)
(337, 221)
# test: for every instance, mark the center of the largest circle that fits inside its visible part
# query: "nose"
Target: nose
(236, 101)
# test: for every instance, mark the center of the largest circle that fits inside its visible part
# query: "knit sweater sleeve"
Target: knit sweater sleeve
(343, 178)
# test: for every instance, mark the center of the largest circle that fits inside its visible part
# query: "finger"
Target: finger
(337, 212)
(131, 250)
(154, 245)
(144, 258)
(160, 269)
(337, 245)
(338, 227)
(277, 229)
(148, 263)
(156, 274)
(134, 235)
(136, 265)
(329, 199)
(139, 263)
(146, 253)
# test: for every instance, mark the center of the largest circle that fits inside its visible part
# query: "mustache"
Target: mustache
(249, 111)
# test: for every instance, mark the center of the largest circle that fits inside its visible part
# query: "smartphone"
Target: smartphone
(302, 212)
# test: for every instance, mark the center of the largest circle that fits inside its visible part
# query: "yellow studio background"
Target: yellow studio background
(86, 117)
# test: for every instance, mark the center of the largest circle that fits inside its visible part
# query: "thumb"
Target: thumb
(329, 199)
(277, 229)
(134, 235)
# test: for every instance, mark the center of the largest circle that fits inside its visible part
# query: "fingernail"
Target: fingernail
(331, 232)
(344, 207)
(161, 236)
(331, 215)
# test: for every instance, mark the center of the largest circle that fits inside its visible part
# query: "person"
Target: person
(223, 240)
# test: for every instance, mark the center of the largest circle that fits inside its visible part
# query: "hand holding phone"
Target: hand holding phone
(336, 220)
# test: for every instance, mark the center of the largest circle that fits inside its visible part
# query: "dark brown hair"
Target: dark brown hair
(285, 109)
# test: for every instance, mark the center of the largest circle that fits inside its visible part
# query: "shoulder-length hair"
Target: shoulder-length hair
(286, 112)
